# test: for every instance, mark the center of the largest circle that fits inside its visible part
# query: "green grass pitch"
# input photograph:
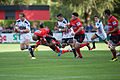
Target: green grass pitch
(96, 64)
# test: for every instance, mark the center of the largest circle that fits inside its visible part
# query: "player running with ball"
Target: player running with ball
(22, 26)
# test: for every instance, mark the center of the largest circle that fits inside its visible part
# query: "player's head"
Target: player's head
(96, 18)
(107, 13)
(22, 16)
(60, 17)
(74, 15)
(35, 37)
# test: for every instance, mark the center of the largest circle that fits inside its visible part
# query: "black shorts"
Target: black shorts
(67, 40)
(49, 40)
(79, 38)
(115, 39)
(50, 33)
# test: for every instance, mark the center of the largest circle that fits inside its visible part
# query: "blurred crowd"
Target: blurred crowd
(35, 26)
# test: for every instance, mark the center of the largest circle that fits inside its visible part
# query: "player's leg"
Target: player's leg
(113, 50)
(118, 54)
(29, 47)
(27, 44)
(72, 46)
(22, 46)
(22, 42)
(105, 40)
(64, 42)
(81, 39)
(93, 41)
(78, 49)
(63, 45)
(76, 44)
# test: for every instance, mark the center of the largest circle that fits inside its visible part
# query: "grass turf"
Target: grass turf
(17, 65)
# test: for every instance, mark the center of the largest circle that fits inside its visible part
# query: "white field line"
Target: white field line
(47, 77)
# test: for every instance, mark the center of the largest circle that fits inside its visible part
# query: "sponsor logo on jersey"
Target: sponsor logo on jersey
(114, 23)
(78, 23)
(38, 31)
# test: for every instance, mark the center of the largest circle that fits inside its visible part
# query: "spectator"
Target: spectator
(91, 27)
(1, 29)
(4, 28)
(35, 26)
(87, 28)
(10, 29)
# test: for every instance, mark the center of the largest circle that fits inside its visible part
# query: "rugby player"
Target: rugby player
(100, 31)
(67, 37)
(79, 34)
(113, 30)
(22, 26)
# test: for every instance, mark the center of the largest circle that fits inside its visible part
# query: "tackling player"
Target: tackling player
(100, 32)
(113, 31)
(45, 38)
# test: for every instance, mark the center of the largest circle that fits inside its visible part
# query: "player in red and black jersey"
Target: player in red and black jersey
(79, 34)
(113, 30)
(44, 37)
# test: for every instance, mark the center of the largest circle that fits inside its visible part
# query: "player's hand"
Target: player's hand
(18, 30)
(73, 34)
(67, 24)
(107, 32)
(15, 29)
(103, 18)
(55, 28)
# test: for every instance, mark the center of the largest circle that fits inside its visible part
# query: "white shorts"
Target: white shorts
(102, 36)
(23, 37)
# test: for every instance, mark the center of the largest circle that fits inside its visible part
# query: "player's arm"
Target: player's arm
(114, 30)
(63, 30)
(94, 26)
(23, 31)
(27, 30)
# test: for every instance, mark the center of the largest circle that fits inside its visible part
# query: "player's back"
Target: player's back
(42, 32)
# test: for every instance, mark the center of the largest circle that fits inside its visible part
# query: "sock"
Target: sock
(57, 49)
(93, 42)
(79, 53)
(33, 46)
(114, 52)
(64, 51)
(84, 44)
(57, 43)
(25, 47)
(74, 51)
(31, 52)
(67, 44)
